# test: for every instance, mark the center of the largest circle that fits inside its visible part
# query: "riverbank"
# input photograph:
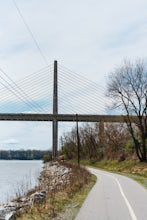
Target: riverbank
(58, 190)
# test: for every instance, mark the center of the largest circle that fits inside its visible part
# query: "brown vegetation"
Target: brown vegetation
(57, 197)
(116, 142)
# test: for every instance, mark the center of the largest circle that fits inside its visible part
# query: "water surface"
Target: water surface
(17, 176)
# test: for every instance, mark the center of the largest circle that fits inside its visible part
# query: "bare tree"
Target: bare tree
(89, 141)
(127, 85)
(116, 137)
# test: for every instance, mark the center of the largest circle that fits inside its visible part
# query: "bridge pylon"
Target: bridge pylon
(55, 111)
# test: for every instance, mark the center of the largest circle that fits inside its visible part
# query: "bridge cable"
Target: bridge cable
(30, 32)
(14, 91)
(23, 93)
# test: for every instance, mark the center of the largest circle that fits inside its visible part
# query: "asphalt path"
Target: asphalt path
(114, 197)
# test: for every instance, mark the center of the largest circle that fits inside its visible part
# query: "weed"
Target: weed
(63, 199)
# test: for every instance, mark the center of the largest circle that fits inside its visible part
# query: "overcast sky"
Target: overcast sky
(90, 37)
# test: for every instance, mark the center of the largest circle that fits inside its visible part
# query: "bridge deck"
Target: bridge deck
(63, 117)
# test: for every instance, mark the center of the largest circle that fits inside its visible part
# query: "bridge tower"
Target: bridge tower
(55, 111)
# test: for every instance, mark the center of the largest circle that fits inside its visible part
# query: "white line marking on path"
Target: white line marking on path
(131, 211)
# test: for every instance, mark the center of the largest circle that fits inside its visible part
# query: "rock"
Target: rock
(38, 197)
(52, 177)
(6, 213)
(10, 216)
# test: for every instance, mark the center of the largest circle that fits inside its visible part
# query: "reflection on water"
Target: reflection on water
(17, 176)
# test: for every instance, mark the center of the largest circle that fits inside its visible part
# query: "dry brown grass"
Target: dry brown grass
(57, 200)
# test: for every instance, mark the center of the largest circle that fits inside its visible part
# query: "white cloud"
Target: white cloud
(10, 141)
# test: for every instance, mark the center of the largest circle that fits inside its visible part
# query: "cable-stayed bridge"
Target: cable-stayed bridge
(54, 94)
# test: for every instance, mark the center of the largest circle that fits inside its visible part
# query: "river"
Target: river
(18, 176)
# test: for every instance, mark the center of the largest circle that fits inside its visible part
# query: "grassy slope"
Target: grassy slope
(131, 168)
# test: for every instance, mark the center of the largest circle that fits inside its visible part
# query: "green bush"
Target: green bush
(47, 157)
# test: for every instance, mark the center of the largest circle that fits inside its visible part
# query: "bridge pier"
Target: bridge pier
(101, 133)
(55, 138)
(55, 112)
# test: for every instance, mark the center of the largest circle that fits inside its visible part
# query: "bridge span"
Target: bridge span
(55, 117)
(63, 117)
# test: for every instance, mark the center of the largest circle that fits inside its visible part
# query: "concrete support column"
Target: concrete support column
(55, 111)
(55, 138)
(101, 133)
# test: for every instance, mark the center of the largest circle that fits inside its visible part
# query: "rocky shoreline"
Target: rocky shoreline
(53, 176)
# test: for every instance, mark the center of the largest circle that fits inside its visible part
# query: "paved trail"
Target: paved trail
(114, 197)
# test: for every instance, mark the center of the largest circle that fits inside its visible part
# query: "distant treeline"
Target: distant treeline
(22, 154)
